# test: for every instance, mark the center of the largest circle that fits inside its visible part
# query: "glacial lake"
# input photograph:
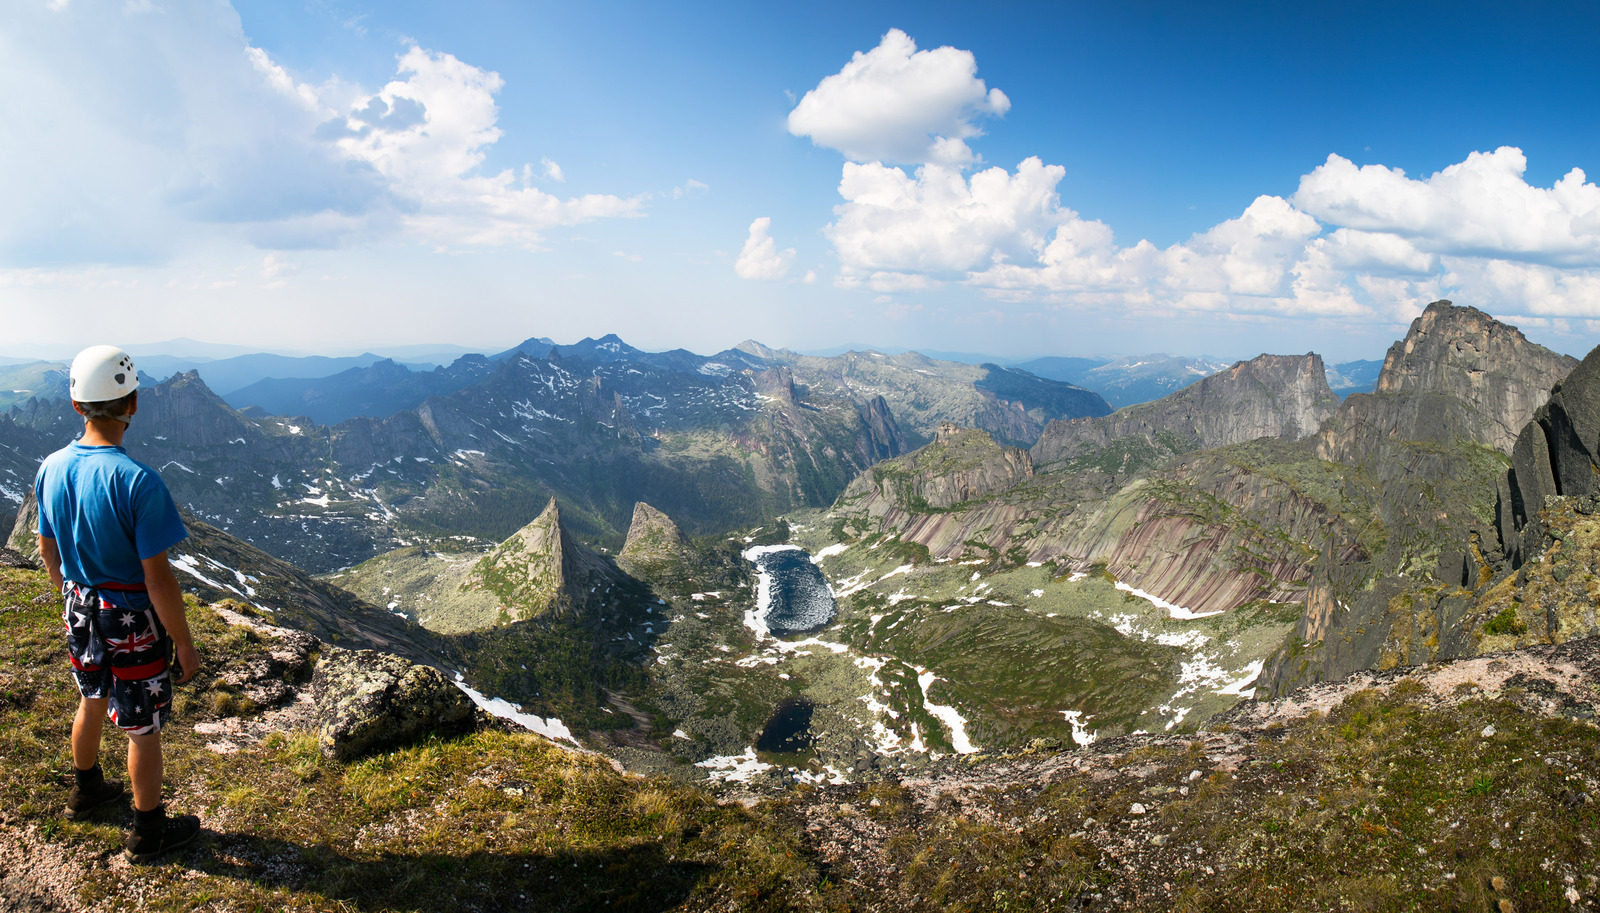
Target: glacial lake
(792, 595)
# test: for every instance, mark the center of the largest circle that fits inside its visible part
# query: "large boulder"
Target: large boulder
(367, 700)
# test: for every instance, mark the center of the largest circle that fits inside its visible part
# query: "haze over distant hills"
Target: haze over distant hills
(332, 388)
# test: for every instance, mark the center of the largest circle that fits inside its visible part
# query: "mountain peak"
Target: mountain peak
(751, 347)
(651, 530)
(654, 543)
(540, 569)
(1491, 366)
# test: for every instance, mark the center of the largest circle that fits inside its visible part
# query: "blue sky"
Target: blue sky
(1020, 179)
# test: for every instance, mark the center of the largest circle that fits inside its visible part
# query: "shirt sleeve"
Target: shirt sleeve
(157, 526)
(44, 529)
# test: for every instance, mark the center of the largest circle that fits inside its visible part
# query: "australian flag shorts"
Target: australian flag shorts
(119, 650)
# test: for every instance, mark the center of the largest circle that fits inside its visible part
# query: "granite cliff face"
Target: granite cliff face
(1489, 365)
(1457, 374)
(1208, 532)
(1279, 396)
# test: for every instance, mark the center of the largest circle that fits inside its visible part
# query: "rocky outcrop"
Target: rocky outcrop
(12, 558)
(1494, 378)
(1448, 507)
(1557, 454)
(651, 533)
(1277, 396)
(653, 539)
(368, 700)
(880, 437)
(542, 570)
(960, 466)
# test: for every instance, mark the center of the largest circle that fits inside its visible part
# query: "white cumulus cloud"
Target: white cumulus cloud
(939, 221)
(1350, 242)
(760, 258)
(1480, 207)
(429, 133)
(898, 104)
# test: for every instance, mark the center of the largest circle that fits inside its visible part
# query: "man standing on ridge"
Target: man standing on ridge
(105, 524)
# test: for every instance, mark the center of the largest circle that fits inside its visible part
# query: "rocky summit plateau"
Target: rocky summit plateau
(587, 627)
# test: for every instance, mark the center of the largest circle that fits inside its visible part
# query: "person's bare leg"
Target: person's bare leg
(86, 728)
(144, 769)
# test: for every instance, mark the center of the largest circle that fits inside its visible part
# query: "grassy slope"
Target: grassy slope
(490, 820)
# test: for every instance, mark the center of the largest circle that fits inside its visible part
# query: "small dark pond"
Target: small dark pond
(798, 599)
(789, 729)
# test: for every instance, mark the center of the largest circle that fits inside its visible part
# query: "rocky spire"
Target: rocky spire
(541, 570)
(1557, 454)
(651, 535)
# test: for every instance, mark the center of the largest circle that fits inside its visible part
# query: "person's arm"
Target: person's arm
(52, 559)
(168, 602)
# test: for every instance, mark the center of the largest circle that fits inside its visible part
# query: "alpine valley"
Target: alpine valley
(880, 598)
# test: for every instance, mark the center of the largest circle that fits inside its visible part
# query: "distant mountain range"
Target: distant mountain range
(479, 447)
(331, 389)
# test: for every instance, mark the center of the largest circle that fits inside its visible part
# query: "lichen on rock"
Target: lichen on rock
(368, 700)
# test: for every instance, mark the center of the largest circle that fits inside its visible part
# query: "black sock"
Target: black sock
(152, 820)
(88, 779)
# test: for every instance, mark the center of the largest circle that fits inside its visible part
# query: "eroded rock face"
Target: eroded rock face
(1460, 352)
(880, 437)
(651, 533)
(368, 700)
(961, 465)
(655, 545)
(1278, 396)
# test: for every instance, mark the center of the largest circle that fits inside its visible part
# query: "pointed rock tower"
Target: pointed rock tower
(542, 570)
(652, 534)
(653, 540)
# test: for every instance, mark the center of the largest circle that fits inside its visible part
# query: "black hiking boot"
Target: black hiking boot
(154, 834)
(91, 791)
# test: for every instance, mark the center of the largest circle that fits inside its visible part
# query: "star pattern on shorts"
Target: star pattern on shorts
(79, 619)
(127, 620)
(153, 686)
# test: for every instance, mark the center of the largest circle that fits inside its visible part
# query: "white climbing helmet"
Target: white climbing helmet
(102, 373)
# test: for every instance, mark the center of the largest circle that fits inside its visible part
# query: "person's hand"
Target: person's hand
(188, 662)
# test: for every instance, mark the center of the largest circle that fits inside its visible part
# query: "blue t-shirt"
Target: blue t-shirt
(106, 511)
